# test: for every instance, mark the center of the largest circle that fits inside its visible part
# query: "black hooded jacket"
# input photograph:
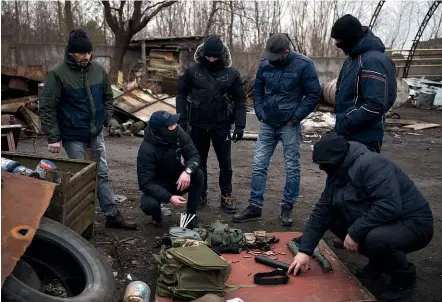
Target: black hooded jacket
(368, 191)
(205, 89)
(159, 163)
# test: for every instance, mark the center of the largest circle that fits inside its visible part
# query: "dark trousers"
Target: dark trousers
(222, 145)
(150, 206)
(375, 147)
(387, 246)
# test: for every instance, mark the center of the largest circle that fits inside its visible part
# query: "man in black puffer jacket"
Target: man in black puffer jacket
(217, 100)
(374, 207)
(162, 177)
(366, 87)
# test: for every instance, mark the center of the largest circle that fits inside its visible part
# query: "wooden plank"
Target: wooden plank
(144, 96)
(32, 119)
(422, 126)
(145, 113)
(392, 121)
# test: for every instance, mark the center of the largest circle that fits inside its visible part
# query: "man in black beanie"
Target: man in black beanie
(374, 207)
(210, 99)
(75, 104)
(366, 87)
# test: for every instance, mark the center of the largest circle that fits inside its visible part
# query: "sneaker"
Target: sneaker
(119, 222)
(227, 204)
(286, 215)
(248, 214)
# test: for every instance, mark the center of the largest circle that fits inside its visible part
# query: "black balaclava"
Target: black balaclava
(329, 152)
(79, 42)
(166, 134)
(213, 47)
(349, 30)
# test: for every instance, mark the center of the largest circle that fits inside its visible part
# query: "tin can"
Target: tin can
(9, 165)
(44, 166)
(22, 170)
(137, 291)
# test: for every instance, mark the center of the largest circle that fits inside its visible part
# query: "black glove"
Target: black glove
(238, 133)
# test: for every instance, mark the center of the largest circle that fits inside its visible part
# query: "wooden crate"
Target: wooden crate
(73, 202)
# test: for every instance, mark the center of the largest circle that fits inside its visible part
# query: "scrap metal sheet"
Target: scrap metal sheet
(24, 201)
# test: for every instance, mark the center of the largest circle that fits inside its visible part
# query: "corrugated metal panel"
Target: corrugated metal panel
(141, 104)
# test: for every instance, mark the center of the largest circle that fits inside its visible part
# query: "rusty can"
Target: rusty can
(44, 166)
(137, 291)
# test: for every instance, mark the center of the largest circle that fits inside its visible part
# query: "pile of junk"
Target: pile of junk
(48, 207)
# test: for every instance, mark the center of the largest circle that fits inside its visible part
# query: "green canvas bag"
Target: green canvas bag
(190, 272)
(220, 234)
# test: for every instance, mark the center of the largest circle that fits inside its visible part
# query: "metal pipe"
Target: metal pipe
(418, 49)
(432, 65)
(427, 59)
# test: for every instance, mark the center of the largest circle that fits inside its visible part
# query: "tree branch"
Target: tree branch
(137, 27)
(120, 13)
(110, 19)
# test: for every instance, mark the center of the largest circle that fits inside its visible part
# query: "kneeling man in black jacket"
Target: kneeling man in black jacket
(374, 207)
(162, 175)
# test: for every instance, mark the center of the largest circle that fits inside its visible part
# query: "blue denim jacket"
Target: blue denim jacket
(286, 93)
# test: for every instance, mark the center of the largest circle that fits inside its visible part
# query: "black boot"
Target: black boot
(248, 214)
(227, 204)
(402, 284)
(193, 224)
(203, 202)
(119, 222)
(286, 215)
(370, 271)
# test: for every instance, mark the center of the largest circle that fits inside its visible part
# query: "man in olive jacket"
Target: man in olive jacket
(75, 104)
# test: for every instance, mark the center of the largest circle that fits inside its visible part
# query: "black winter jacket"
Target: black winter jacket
(159, 163)
(366, 90)
(368, 191)
(205, 89)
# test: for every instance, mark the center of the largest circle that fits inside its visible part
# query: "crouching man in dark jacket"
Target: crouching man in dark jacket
(162, 177)
(374, 207)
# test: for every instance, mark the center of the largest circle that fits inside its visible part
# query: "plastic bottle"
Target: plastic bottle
(137, 291)
(9, 165)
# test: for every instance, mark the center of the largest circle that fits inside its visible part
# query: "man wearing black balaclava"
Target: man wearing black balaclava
(162, 177)
(374, 207)
(210, 99)
(366, 87)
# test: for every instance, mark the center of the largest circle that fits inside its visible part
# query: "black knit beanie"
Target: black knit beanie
(349, 30)
(213, 47)
(79, 41)
(331, 149)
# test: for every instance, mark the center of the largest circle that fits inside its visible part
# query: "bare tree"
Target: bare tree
(68, 15)
(125, 28)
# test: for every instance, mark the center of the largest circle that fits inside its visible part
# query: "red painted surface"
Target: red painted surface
(314, 285)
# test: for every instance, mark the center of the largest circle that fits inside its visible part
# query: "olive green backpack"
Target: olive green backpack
(191, 271)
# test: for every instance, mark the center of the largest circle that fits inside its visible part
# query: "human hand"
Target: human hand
(238, 133)
(183, 182)
(350, 244)
(301, 261)
(55, 147)
(290, 123)
(178, 201)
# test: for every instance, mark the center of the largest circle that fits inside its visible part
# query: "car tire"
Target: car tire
(70, 257)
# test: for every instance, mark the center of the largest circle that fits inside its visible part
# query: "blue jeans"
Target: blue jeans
(106, 198)
(268, 139)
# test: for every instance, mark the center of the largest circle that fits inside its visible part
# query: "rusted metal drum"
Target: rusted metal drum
(403, 91)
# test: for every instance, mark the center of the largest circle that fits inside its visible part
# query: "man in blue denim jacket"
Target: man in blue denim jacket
(286, 91)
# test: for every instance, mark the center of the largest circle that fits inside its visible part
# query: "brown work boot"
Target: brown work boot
(227, 204)
(119, 222)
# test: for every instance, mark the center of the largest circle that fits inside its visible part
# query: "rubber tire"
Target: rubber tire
(100, 283)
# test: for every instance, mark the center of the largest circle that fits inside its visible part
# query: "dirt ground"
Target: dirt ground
(418, 155)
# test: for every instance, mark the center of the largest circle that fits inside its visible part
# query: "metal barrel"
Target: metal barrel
(403, 91)
(426, 98)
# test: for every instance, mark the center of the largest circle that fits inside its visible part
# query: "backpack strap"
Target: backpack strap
(235, 287)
